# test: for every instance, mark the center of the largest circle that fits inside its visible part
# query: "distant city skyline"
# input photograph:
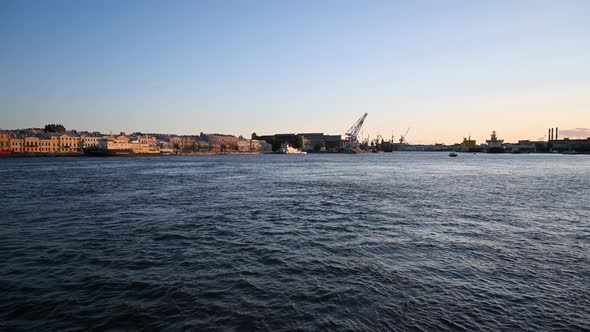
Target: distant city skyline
(446, 70)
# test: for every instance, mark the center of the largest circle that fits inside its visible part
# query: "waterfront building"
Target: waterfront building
(523, 146)
(188, 143)
(35, 144)
(120, 142)
(203, 146)
(253, 145)
(143, 144)
(90, 141)
(17, 144)
(332, 142)
(175, 143)
(164, 144)
(143, 148)
(183, 143)
(4, 140)
(32, 144)
(570, 145)
(46, 145)
(54, 143)
(245, 145)
(313, 141)
(121, 145)
(69, 142)
(151, 141)
(222, 143)
(42, 143)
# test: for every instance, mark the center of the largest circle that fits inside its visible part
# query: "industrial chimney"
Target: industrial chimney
(556, 133)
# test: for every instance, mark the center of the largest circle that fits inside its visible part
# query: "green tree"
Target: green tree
(54, 128)
(176, 146)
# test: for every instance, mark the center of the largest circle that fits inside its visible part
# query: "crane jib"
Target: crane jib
(353, 132)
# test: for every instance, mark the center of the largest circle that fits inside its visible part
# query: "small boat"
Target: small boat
(166, 152)
(452, 154)
(286, 149)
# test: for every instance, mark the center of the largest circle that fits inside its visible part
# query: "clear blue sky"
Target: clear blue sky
(447, 69)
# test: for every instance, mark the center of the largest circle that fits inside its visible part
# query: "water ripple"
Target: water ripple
(389, 242)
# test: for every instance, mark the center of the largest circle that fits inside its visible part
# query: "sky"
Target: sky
(443, 70)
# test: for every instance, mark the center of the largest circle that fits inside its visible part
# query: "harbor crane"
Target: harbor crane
(402, 138)
(353, 132)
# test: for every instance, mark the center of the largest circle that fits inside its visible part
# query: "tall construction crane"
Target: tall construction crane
(353, 132)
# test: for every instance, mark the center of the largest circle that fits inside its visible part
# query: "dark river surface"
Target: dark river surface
(374, 242)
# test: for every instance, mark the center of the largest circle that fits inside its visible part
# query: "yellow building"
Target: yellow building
(31, 144)
(34, 144)
(17, 144)
(90, 141)
(46, 145)
(69, 143)
(151, 141)
(54, 143)
(114, 143)
(4, 140)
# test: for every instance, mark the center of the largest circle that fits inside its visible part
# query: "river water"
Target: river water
(395, 241)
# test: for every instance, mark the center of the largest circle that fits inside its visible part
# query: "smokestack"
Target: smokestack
(548, 134)
(556, 133)
(551, 134)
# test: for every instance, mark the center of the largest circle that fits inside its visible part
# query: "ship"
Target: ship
(5, 153)
(286, 149)
(98, 152)
(495, 144)
(470, 145)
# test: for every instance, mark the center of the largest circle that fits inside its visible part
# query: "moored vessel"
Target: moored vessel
(494, 144)
(286, 149)
(570, 152)
(97, 152)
